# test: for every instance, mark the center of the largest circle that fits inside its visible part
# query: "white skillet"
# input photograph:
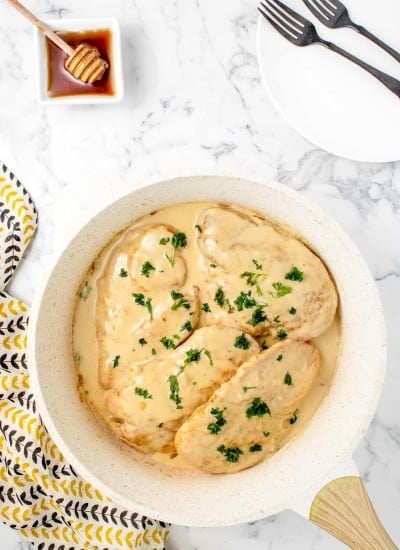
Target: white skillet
(292, 477)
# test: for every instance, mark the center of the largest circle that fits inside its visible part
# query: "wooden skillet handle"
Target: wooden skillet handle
(344, 509)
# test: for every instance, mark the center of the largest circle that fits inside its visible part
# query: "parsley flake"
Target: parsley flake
(288, 379)
(147, 268)
(186, 326)
(242, 342)
(214, 266)
(178, 240)
(142, 341)
(277, 319)
(256, 448)
(257, 317)
(85, 291)
(143, 393)
(266, 434)
(174, 390)
(281, 334)
(207, 353)
(199, 229)
(221, 299)
(258, 266)
(264, 345)
(167, 343)
(292, 311)
(258, 408)
(115, 363)
(295, 275)
(252, 279)
(279, 358)
(153, 351)
(220, 421)
(247, 388)
(295, 416)
(206, 308)
(244, 301)
(164, 241)
(232, 454)
(179, 301)
(123, 272)
(141, 301)
(281, 290)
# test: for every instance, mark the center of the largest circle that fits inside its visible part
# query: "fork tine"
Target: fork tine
(324, 8)
(317, 10)
(276, 9)
(276, 26)
(332, 5)
(288, 11)
(282, 20)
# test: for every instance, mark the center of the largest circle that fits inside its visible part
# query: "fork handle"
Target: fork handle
(391, 83)
(365, 32)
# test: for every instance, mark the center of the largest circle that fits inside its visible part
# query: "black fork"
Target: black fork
(301, 32)
(335, 15)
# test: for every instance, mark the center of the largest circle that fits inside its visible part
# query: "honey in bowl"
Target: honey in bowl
(61, 82)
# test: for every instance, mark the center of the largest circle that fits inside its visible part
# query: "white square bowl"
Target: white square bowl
(76, 25)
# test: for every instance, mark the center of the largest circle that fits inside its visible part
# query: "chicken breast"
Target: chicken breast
(247, 417)
(260, 279)
(137, 314)
(155, 397)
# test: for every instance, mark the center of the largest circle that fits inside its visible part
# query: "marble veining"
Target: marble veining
(195, 104)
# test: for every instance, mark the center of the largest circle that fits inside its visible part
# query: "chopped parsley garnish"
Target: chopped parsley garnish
(153, 351)
(207, 353)
(147, 268)
(85, 291)
(295, 416)
(264, 345)
(281, 290)
(174, 390)
(143, 393)
(160, 425)
(292, 311)
(167, 343)
(186, 326)
(192, 356)
(142, 341)
(215, 427)
(141, 301)
(221, 299)
(277, 319)
(164, 241)
(245, 301)
(288, 379)
(179, 301)
(258, 408)
(115, 363)
(247, 388)
(258, 316)
(176, 336)
(295, 275)
(258, 266)
(232, 454)
(213, 266)
(252, 279)
(256, 448)
(266, 434)
(77, 359)
(242, 342)
(281, 334)
(178, 240)
(279, 358)
(199, 229)
(206, 308)
(123, 272)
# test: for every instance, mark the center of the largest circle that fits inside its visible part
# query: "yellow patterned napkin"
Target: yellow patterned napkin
(40, 494)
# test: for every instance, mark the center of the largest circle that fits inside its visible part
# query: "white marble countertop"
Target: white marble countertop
(195, 103)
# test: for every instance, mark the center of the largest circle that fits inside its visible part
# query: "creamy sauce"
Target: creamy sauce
(108, 324)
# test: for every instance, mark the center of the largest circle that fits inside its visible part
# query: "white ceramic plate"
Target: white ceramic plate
(329, 100)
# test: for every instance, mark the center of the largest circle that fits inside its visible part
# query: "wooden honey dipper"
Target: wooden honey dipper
(84, 62)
